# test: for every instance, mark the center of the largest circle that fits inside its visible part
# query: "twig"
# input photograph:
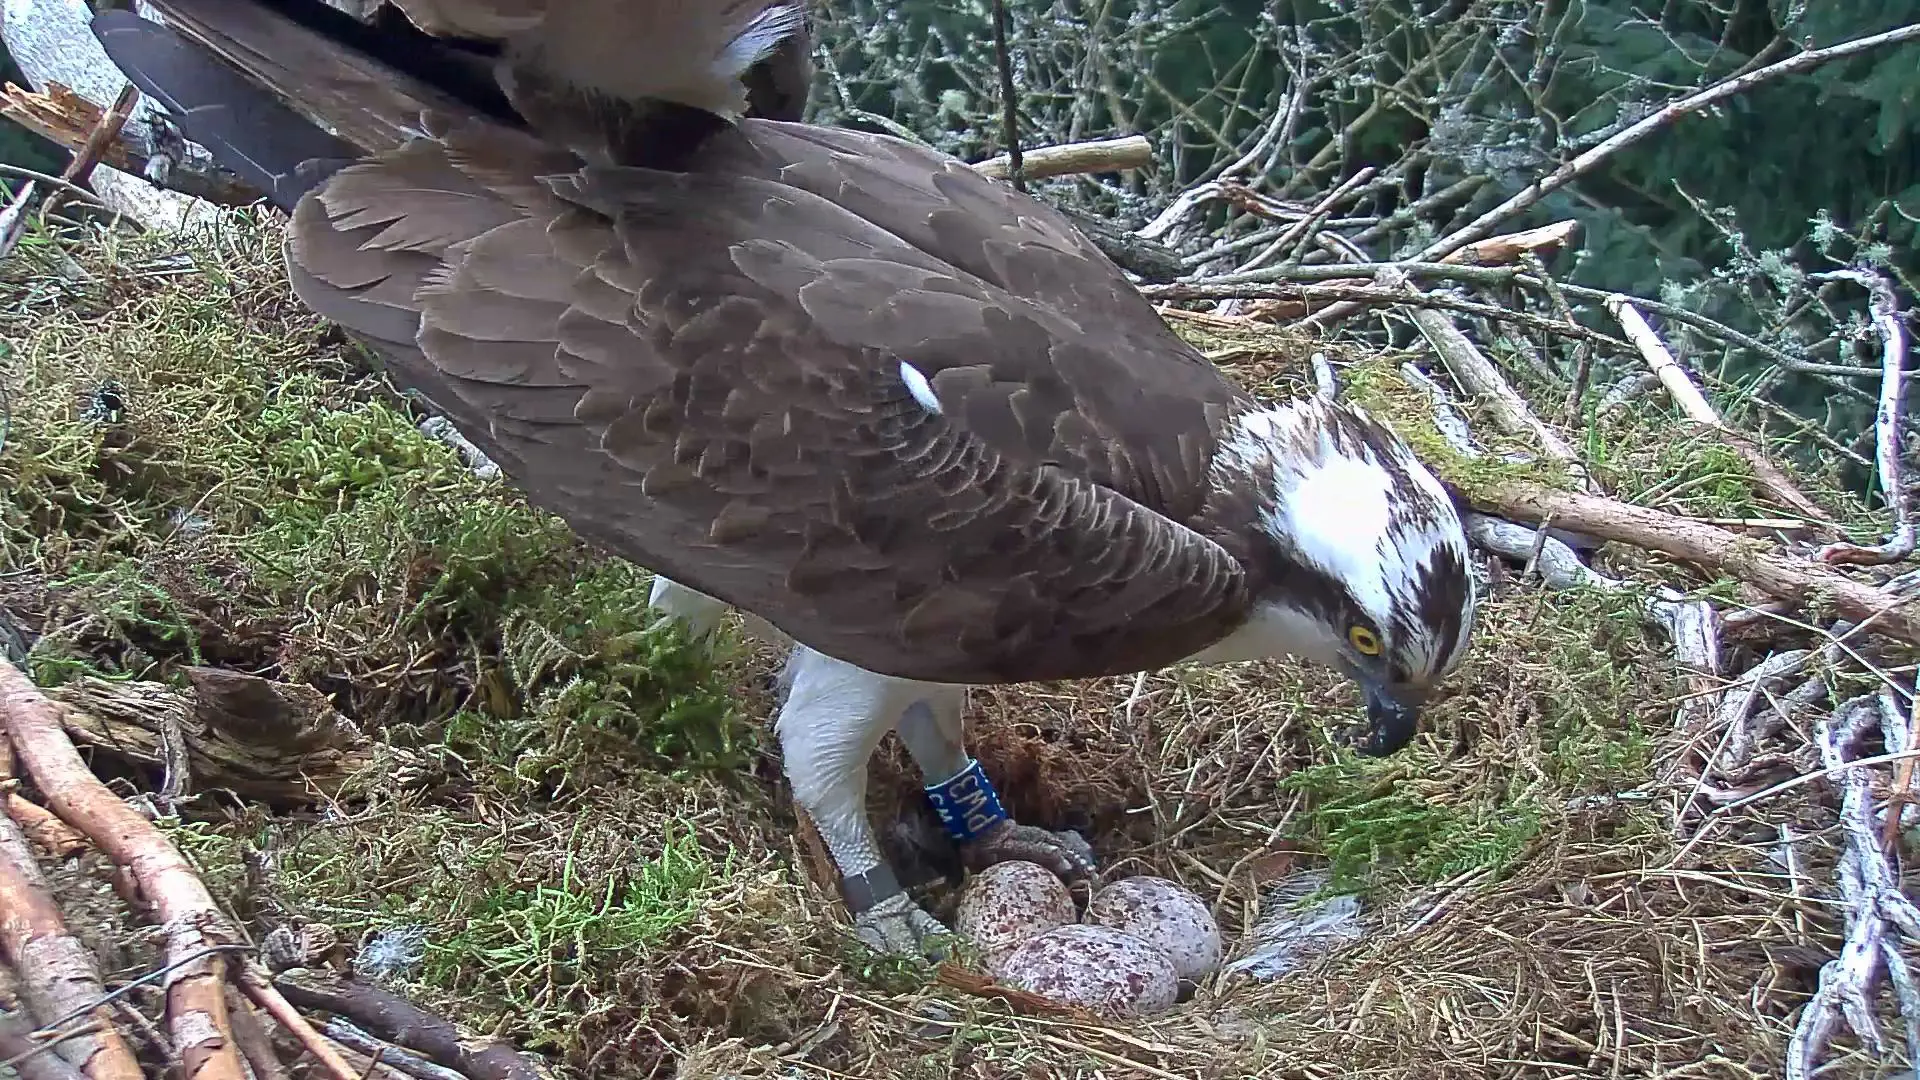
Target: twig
(1712, 549)
(258, 986)
(31, 1059)
(1694, 405)
(1660, 118)
(1067, 159)
(255, 1043)
(196, 1006)
(1886, 425)
(394, 1057)
(1873, 899)
(404, 1024)
(98, 140)
(1373, 294)
(1009, 103)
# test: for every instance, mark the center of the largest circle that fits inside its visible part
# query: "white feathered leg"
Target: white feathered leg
(701, 613)
(834, 717)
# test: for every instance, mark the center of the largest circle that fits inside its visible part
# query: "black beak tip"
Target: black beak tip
(1389, 728)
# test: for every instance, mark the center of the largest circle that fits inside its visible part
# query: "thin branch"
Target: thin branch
(1660, 118)
(1009, 103)
(1886, 425)
(1477, 375)
(1694, 405)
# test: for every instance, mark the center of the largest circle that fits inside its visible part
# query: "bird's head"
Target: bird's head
(1359, 555)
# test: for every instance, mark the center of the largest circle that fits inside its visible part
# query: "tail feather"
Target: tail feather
(695, 53)
(244, 127)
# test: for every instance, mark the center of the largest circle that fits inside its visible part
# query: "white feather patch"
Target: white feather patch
(920, 388)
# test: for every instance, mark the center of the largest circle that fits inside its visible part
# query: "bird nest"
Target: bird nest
(518, 808)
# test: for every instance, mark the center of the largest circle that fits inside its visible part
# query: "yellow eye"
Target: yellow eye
(1364, 639)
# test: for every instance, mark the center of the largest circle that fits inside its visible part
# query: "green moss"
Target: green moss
(188, 493)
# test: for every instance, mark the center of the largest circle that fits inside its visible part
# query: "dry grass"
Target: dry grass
(594, 850)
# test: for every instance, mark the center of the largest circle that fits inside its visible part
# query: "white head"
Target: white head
(1359, 555)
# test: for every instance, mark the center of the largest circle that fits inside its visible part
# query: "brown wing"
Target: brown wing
(703, 373)
(1129, 403)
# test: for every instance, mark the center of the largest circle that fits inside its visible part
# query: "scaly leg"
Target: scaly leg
(834, 717)
(934, 731)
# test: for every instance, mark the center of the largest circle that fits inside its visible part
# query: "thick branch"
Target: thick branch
(57, 974)
(1069, 159)
(1713, 549)
(276, 742)
(1886, 426)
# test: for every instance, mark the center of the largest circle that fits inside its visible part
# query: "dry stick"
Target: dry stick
(1477, 375)
(196, 1004)
(403, 1023)
(1374, 294)
(99, 139)
(1068, 159)
(29, 1058)
(1009, 103)
(1590, 159)
(1873, 900)
(257, 985)
(394, 1057)
(1694, 405)
(43, 827)
(13, 221)
(57, 973)
(251, 1035)
(1886, 426)
(1711, 548)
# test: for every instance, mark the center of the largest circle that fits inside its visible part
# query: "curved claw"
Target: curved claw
(1065, 853)
(897, 926)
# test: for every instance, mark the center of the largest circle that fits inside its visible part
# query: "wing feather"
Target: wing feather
(677, 369)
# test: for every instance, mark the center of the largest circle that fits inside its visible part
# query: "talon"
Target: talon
(899, 927)
(1065, 853)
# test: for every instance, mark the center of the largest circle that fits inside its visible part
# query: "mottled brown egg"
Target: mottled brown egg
(1163, 914)
(1096, 967)
(1009, 903)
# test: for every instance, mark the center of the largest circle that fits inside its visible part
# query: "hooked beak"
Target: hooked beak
(1392, 720)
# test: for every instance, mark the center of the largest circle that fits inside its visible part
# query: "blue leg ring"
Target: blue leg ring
(966, 803)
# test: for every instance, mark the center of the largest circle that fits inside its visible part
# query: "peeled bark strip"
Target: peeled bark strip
(196, 999)
(404, 1024)
(57, 973)
(44, 828)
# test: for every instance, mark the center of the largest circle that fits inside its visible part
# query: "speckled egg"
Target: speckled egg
(1164, 914)
(1009, 903)
(1096, 967)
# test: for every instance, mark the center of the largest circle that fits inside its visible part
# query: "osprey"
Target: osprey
(905, 414)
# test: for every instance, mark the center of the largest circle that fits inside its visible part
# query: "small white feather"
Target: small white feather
(919, 387)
